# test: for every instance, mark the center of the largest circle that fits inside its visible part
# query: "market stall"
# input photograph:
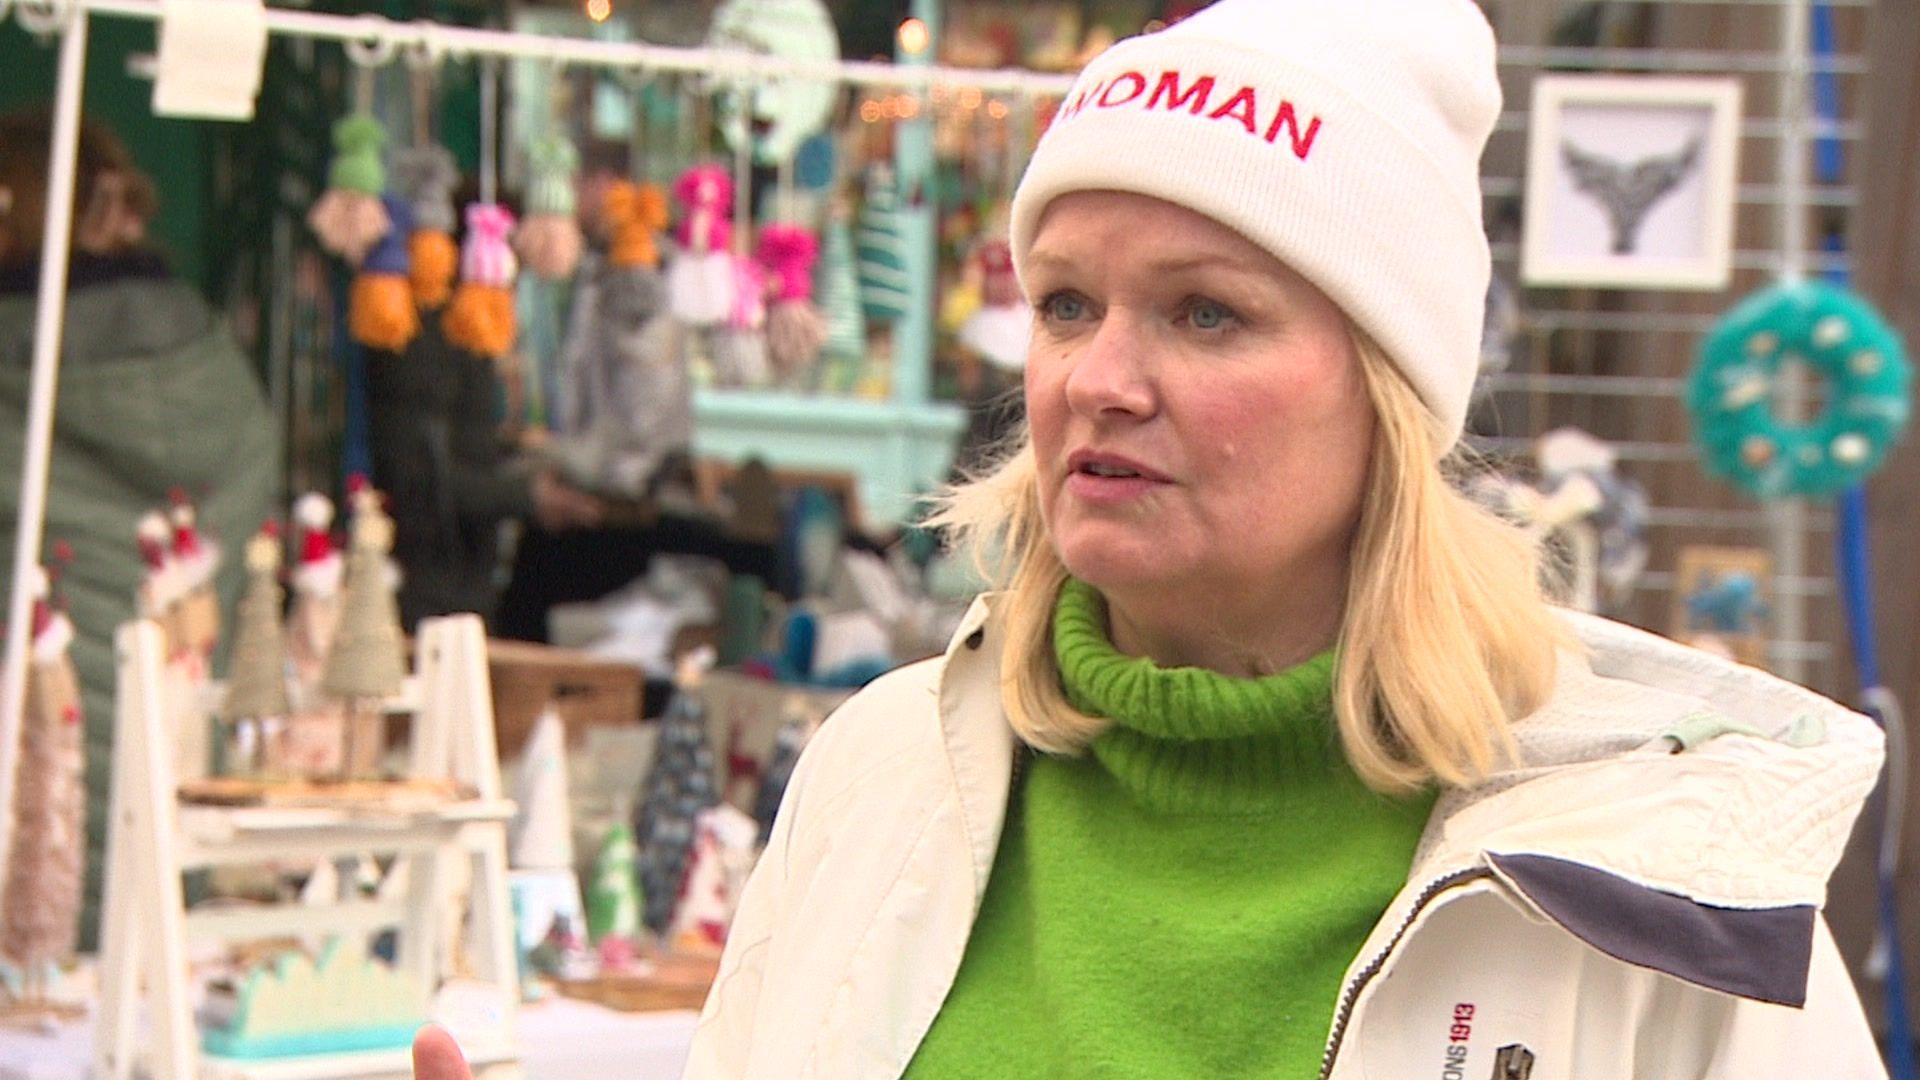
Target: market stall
(694, 344)
(895, 441)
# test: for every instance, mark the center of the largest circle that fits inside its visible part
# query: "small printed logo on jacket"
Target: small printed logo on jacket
(1513, 1063)
(1458, 1036)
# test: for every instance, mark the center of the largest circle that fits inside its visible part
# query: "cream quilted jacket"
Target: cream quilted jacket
(1612, 908)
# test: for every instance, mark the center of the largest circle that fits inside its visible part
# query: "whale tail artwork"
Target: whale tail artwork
(1628, 191)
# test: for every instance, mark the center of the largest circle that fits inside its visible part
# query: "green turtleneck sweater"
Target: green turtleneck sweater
(1184, 900)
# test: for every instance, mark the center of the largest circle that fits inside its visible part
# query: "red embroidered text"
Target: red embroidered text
(1200, 96)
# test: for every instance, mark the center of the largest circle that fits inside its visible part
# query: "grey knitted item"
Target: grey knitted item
(426, 176)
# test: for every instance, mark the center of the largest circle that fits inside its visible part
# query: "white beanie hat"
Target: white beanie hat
(1344, 138)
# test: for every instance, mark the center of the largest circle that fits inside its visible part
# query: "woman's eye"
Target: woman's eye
(1063, 307)
(1208, 315)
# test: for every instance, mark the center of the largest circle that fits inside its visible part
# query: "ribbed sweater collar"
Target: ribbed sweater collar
(1189, 740)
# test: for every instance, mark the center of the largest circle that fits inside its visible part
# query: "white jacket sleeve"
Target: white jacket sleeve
(724, 1037)
(1827, 1038)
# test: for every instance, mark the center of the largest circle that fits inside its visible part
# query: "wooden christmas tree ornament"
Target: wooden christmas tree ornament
(257, 702)
(366, 664)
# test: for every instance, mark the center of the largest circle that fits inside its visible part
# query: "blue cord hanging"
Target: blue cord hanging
(1856, 589)
(356, 439)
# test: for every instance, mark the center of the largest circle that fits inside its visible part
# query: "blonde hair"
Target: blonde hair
(1446, 638)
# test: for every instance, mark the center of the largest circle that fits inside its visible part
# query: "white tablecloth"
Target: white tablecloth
(560, 1039)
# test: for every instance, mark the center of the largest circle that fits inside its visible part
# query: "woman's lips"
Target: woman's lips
(1110, 490)
(1087, 459)
(1101, 477)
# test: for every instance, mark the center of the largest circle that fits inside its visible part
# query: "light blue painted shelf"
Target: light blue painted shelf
(898, 450)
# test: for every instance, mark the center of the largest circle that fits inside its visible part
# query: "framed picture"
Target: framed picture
(1722, 599)
(1631, 182)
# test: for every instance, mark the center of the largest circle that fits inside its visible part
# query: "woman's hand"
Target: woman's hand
(437, 1057)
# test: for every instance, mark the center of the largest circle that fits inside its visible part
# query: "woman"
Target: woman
(1268, 759)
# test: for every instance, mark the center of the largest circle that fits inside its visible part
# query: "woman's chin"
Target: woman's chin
(1111, 558)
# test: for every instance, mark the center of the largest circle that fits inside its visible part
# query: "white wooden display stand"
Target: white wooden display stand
(153, 838)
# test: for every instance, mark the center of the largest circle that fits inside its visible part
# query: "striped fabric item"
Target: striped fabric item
(554, 160)
(487, 258)
(882, 250)
(838, 293)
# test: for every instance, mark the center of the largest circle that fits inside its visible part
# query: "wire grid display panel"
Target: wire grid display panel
(1614, 362)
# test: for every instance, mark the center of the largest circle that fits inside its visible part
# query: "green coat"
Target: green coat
(153, 394)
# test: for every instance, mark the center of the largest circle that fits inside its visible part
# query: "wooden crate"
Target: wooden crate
(584, 690)
(669, 983)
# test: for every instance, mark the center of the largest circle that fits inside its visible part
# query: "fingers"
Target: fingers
(437, 1057)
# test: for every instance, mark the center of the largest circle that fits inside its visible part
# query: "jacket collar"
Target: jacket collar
(86, 270)
(1711, 862)
(1736, 821)
(1708, 864)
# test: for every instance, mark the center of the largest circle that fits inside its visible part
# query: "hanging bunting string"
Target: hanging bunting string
(639, 150)
(379, 37)
(489, 102)
(363, 87)
(421, 84)
(783, 190)
(702, 129)
(741, 121)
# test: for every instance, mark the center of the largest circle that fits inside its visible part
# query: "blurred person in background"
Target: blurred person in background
(439, 457)
(154, 394)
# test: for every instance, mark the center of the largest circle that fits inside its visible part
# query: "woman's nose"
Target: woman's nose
(1110, 377)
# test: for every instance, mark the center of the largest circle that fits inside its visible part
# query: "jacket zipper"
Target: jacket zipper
(1366, 974)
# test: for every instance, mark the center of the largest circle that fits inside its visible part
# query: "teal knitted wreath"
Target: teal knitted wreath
(1839, 337)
